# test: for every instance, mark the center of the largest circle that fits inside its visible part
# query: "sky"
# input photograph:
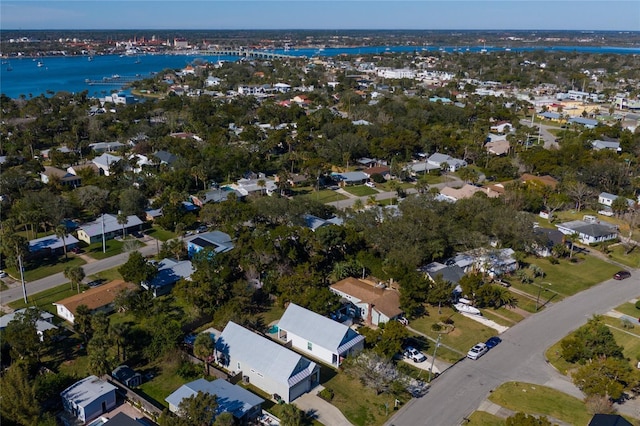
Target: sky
(594, 15)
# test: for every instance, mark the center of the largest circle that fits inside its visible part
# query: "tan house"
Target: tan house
(498, 147)
(374, 302)
(467, 191)
(96, 299)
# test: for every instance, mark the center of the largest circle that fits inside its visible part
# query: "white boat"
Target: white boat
(40, 64)
(467, 309)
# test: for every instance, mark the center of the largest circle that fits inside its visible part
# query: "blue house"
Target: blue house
(218, 241)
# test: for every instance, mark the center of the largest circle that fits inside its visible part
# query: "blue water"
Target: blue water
(69, 73)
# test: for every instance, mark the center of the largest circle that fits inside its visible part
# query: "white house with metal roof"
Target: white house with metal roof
(217, 241)
(105, 162)
(445, 161)
(44, 322)
(589, 232)
(242, 404)
(108, 225)
(318, 336)
(607, 145)
(266, 364)
(89, 398)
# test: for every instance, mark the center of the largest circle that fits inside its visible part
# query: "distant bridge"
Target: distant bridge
(258, 54)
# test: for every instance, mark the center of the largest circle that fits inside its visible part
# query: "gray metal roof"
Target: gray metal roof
(219, 239)
(171, 271)
(52, 242)
(231, 398)
(315, 328)
(42, 325)
(263, 355)
(87, 390)
(110, 224)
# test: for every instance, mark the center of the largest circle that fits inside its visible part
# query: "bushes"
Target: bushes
(638, 304)
(326, 394)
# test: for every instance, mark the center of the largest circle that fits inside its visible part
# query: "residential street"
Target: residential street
(15, 292)
(548, 138)
(520, 357)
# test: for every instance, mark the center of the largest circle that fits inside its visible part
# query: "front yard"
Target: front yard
(44, 300)
(46, 267)
(465, 333)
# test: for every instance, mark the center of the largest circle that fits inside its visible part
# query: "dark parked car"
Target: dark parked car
(621, 275)
(493, 342)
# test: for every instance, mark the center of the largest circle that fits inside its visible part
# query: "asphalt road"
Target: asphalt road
(520, 357)
(15, 292)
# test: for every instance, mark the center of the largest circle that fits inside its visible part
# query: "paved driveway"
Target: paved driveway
(520, 357)
(321, 410)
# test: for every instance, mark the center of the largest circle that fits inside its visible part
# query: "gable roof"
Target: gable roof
(96, 297)
(110, 224)
(384, 300)
(105, 160)
(591, 229)
(608, 420)
(171, 271)
(316, 328)
(264, 355)
(121, 419)
(231, 398)
(51, 242)
(451, 273)
(86, 391)
(217, 239)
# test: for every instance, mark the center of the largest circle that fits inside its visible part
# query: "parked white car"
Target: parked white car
(370, 184)
(414, 355)
(477, 351)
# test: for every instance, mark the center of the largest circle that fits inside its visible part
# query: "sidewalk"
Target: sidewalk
(486, 321)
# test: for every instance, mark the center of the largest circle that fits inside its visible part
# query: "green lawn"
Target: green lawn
(325, 196)
(632, 259)
(491, 314)
(629, 309)
(46, 268)
(554, 355)
(541, 400)
(360, 190)
(567, 278)
(466, 333)
(164, 383)
(628, 338)
(107, 275)
(44, 299)
(114, 247)
(481, 418)
(360, 405)
(160, 234)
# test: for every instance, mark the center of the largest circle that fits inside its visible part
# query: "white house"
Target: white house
(266, 364)
(318, 336)
(108, 225)
(608, 145)
(89, 398)
(242, 404)
(589, 232)
(444, 160)
(105, 163)
(96, 299)
(374, 303)
(607, 199)
(43, 323)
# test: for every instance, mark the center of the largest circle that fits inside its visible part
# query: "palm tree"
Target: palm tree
(75, 274)
(61, 232)
(122, 220)
(119, 332)
(262, 184)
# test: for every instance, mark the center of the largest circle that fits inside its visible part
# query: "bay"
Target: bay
(23, 76)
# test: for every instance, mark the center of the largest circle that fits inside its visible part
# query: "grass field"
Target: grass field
(108, 275)
(114, 247)
(360, 190)
(164, 382)
(536, 399)
(629, 309)
(628, 338)
(46, 268)
(632, 259)
(360, 405)
(466, 333)
(481, 418)
(160, 234)
(44, 299)
(325, 196)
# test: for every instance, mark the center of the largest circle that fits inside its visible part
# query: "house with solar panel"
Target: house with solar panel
(217, 241)
(265, 364)
(318, 336)
(242, 404)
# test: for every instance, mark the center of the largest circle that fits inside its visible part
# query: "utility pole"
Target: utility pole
(104, 241)
(24, 287)
(434, 356)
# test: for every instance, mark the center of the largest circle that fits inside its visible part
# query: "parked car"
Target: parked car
(414, 355)
(403, 320)
(477, 351)
(202, 228)
(492, 342)
(370, 184)
(76, 250)
(3, 274)
(621, 275)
